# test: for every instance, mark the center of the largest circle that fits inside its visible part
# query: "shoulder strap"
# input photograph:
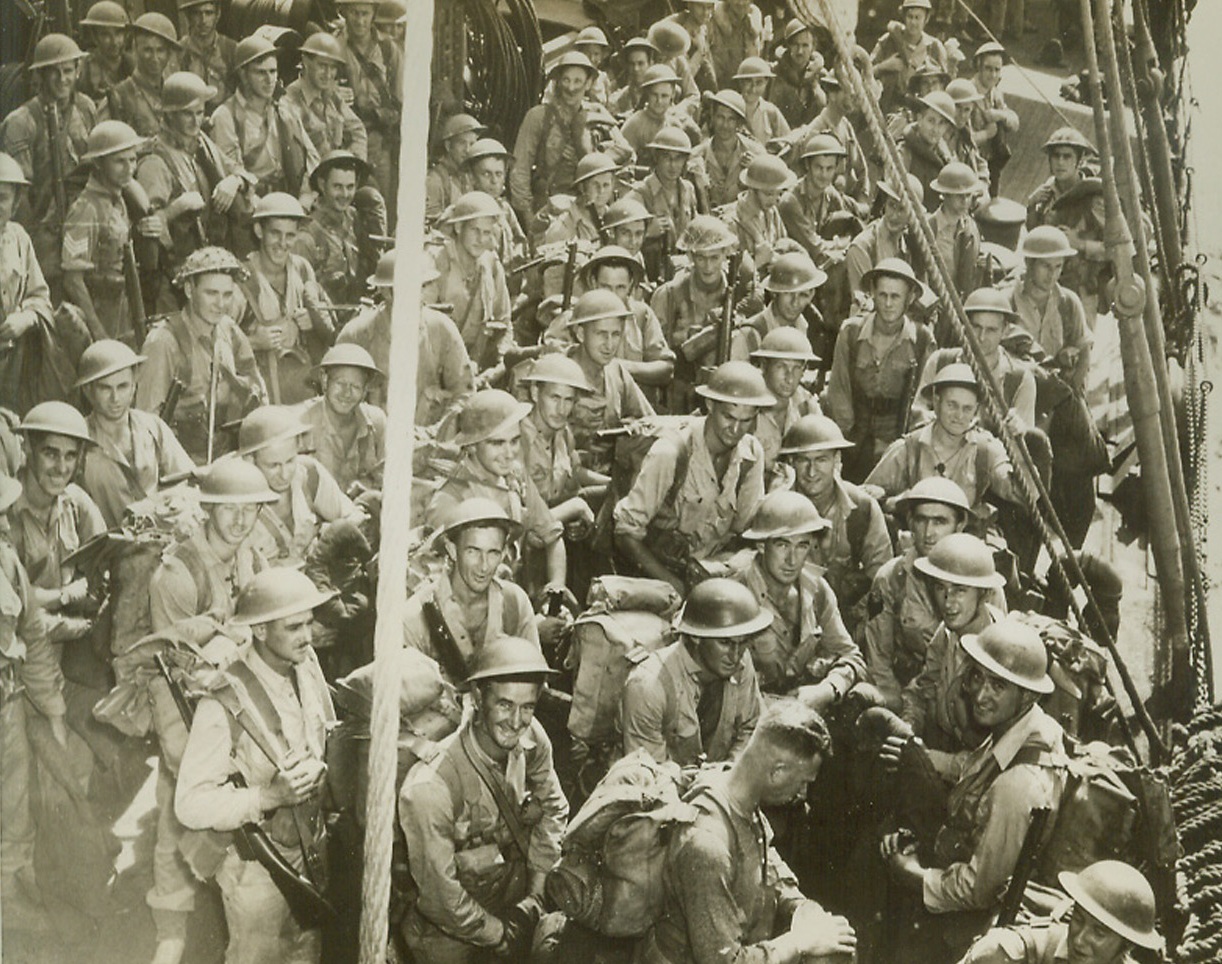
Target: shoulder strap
(912, 460)
(186, 554)
(508, 811)
(858, 523)
(681, 463)
(260, 700)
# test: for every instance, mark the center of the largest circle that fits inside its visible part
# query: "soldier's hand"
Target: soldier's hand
(346, 94)
(225, 192)
(819, 697)
(295, 784)
(17, 324)
(896, 844)
(189, 202)
(151, 227)
(817, 933)
(266, 337)
(890, 752)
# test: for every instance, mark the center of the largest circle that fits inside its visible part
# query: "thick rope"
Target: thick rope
(1026, 478)
(396, 517)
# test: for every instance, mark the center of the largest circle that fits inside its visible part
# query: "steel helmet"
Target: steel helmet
(345, 160)
(210, 260)
(185, 91)
(783, 514)
(754, 68)
(822, 144)
(390, 12)
(896, 194)
(963, 91)
(558, 369)
(487, 414)
(267, 425)
(626, 210)
(55, 418)
(384, 274)
(1003, 212)
(989, 301)
(669, 39)
(828, 80)
(479, 511)
(891, 268)
(104, 358)
(591, 36)
(457, 124)
(639, 43)
(956, 178)
(938, 489)
(106, 13)
(278, 204)
(940, 102)
(737, 383)
(813, 433)
(1069, 137)
(10, 492)
(793, 28)
(705, 232)
(1009, 649)
(349, 355)
(510, 656)
(574, 58)
(786, 344)
(731, 100)
(613, 255)
(721, 609)
(593, 164)
(954, 375)
(989, 47)
(917, 4)
(486, 147)
(1046, 241)
(110, 137)
(277, 593)
(659, 74)
(232, 481)
(671, 139)
(55, 48)
(156, 25)
(767, 172)
(322, 44)
(794, 272)
(252, 48)
(11, 172)
(1117, 896)
(472, 205)
(964, 560)
(597, 304)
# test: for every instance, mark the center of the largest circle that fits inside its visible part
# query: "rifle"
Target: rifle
(214, 377)
(665, 267)
(56, 163)
(725, 328)
(171, 400)
(307, 903)
(570, 274)
(1024, 867)
(138, 207)
(444, 642)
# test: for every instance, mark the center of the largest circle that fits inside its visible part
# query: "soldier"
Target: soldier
(592, 42)
(188, 181)
(307, 495)
(736, 32)
(694, 18)
(672, 43)
(806, 207)
(553, 137)
(755, 216)
(726, 892)
(722, 158)
(25, 298)
(204, 51)
(698, 699)
(97, 231)
(26, 134)
(1067, 150)
(579, 218)
(486, 169)
(328, 239)
(699, 488)
(626, 223)
(1113, 914)
(260, 137)
(667, 195)
(286, 314)
(373, 75)
(876, 364)
(637, 55)
(137, 100)
(783, 356)
(989, 807)
(857, 544)
(902, 49)
(834, 120)
(133, 450)
(30, 680)
(347, 434)
(994, 125)
(446, 180)
(935, 703)
(790, 285)
(455, 615)
(765, 122)
(483, 818)
(955, 231)
(922, 144)
(659, 92)
(795, 88)
(203, 349)
(887, 236)
(106, 65)
(961, 138)
(313, 97)
(806, 651)
(280, 759)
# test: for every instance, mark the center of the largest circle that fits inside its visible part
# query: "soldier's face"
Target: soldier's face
(929, 522)
(638, 63)
(1063, 162)
(477, 555)
(814, 472)
(601, 340)
(958, 604)
(658, 99)
(111, 397)
(993, 702)
(108, 41)
(789, 778)
(709, 266)
(783, 375)
(721, 657)
(753, 90)
(669, 165)
(914, 21)
(186, 123)
(59, 80)
(701, 13)
(630, 236)
(259, 78)
(891, 298)
(767, 198)
(232, 524)
(489, 175)
(595, 52)
(800, 47)
(895, 215)
(276, 237)
(988, 326)
(53, 461)
(346, 386)
(723, 121)
(116, 170)
(554, 404)
(151, 55)
(478, 235)
(498, 455)
(459, 146)
(503, 711)
(320, 72)
(789, 304)
(359, 18)
(572, 83)
(731, 422)
(278, 463)
(784, 557)
(616, 279)
(955, 409)
(821, 170)
(988, 71)
(956, 205)
(201, 20)
(338, 188)
(1091, 942)
(210, 296)
(931, 126)
(286, 641)
(840, 99)
(8, 201)
(599, 190)
(1044, 273)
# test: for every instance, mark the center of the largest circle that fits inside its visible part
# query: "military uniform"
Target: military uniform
(214, 64)
(374, 75)
(96, 233)
(765, 122)
(1039, 942)
(444, 184)
(328, 242)
(359, 460)
(551, 140)
(1013, 375)
(875, 243)
(795, 92)
(1061, 324)
(804, 212)
(313, 498)
(856, 547)
(329, 122)
(927, 50)
(270, 146)
(723, 170)
(912, 458)
(551, 460)
(136, 104)
(923, 160)
(857, 181)
(958, 241)
(97, 77)
(772, 423)
(616, 399)
(732, 38)
(758, 230)
(901, 619)
(679, 206)
(477, 289)
(115, 481)
(22, 288)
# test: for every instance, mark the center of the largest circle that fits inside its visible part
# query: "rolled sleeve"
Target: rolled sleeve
(635, 511)
(204, 798)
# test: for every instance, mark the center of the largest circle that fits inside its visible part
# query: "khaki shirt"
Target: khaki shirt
(1040, 942)
(897, 471)
(314, 497)
(136, 104)
(643, 338)
(722, 173)
(175, 594)
(683, 307)
(551, 140)
(23, 638)
(96, 233)
(374, 76)
(329, 122)
(1013, 375)
(477, 289)
(214, 63)
(114, 481)
(264, 304)
(875, 243)
(360, 460)
(327, 240)
(551, 459)
(658, 711)
(1061, 324)
(758, 230)
(616, 398)
(443, 185)
(251, 143)
(847, 565)
(43, 546)
(804, 213)
(516, 494)
(733, 38)
(679, 205)
(772, 423)
(23, 287)
(766, 122)
(97, 77)
(872, 375)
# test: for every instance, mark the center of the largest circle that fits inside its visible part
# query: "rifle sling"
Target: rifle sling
(443, 641)
(503, 804)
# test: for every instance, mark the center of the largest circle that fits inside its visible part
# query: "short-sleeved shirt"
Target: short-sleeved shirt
(114, 481)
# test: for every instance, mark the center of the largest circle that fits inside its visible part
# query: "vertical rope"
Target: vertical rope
(396, 517)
